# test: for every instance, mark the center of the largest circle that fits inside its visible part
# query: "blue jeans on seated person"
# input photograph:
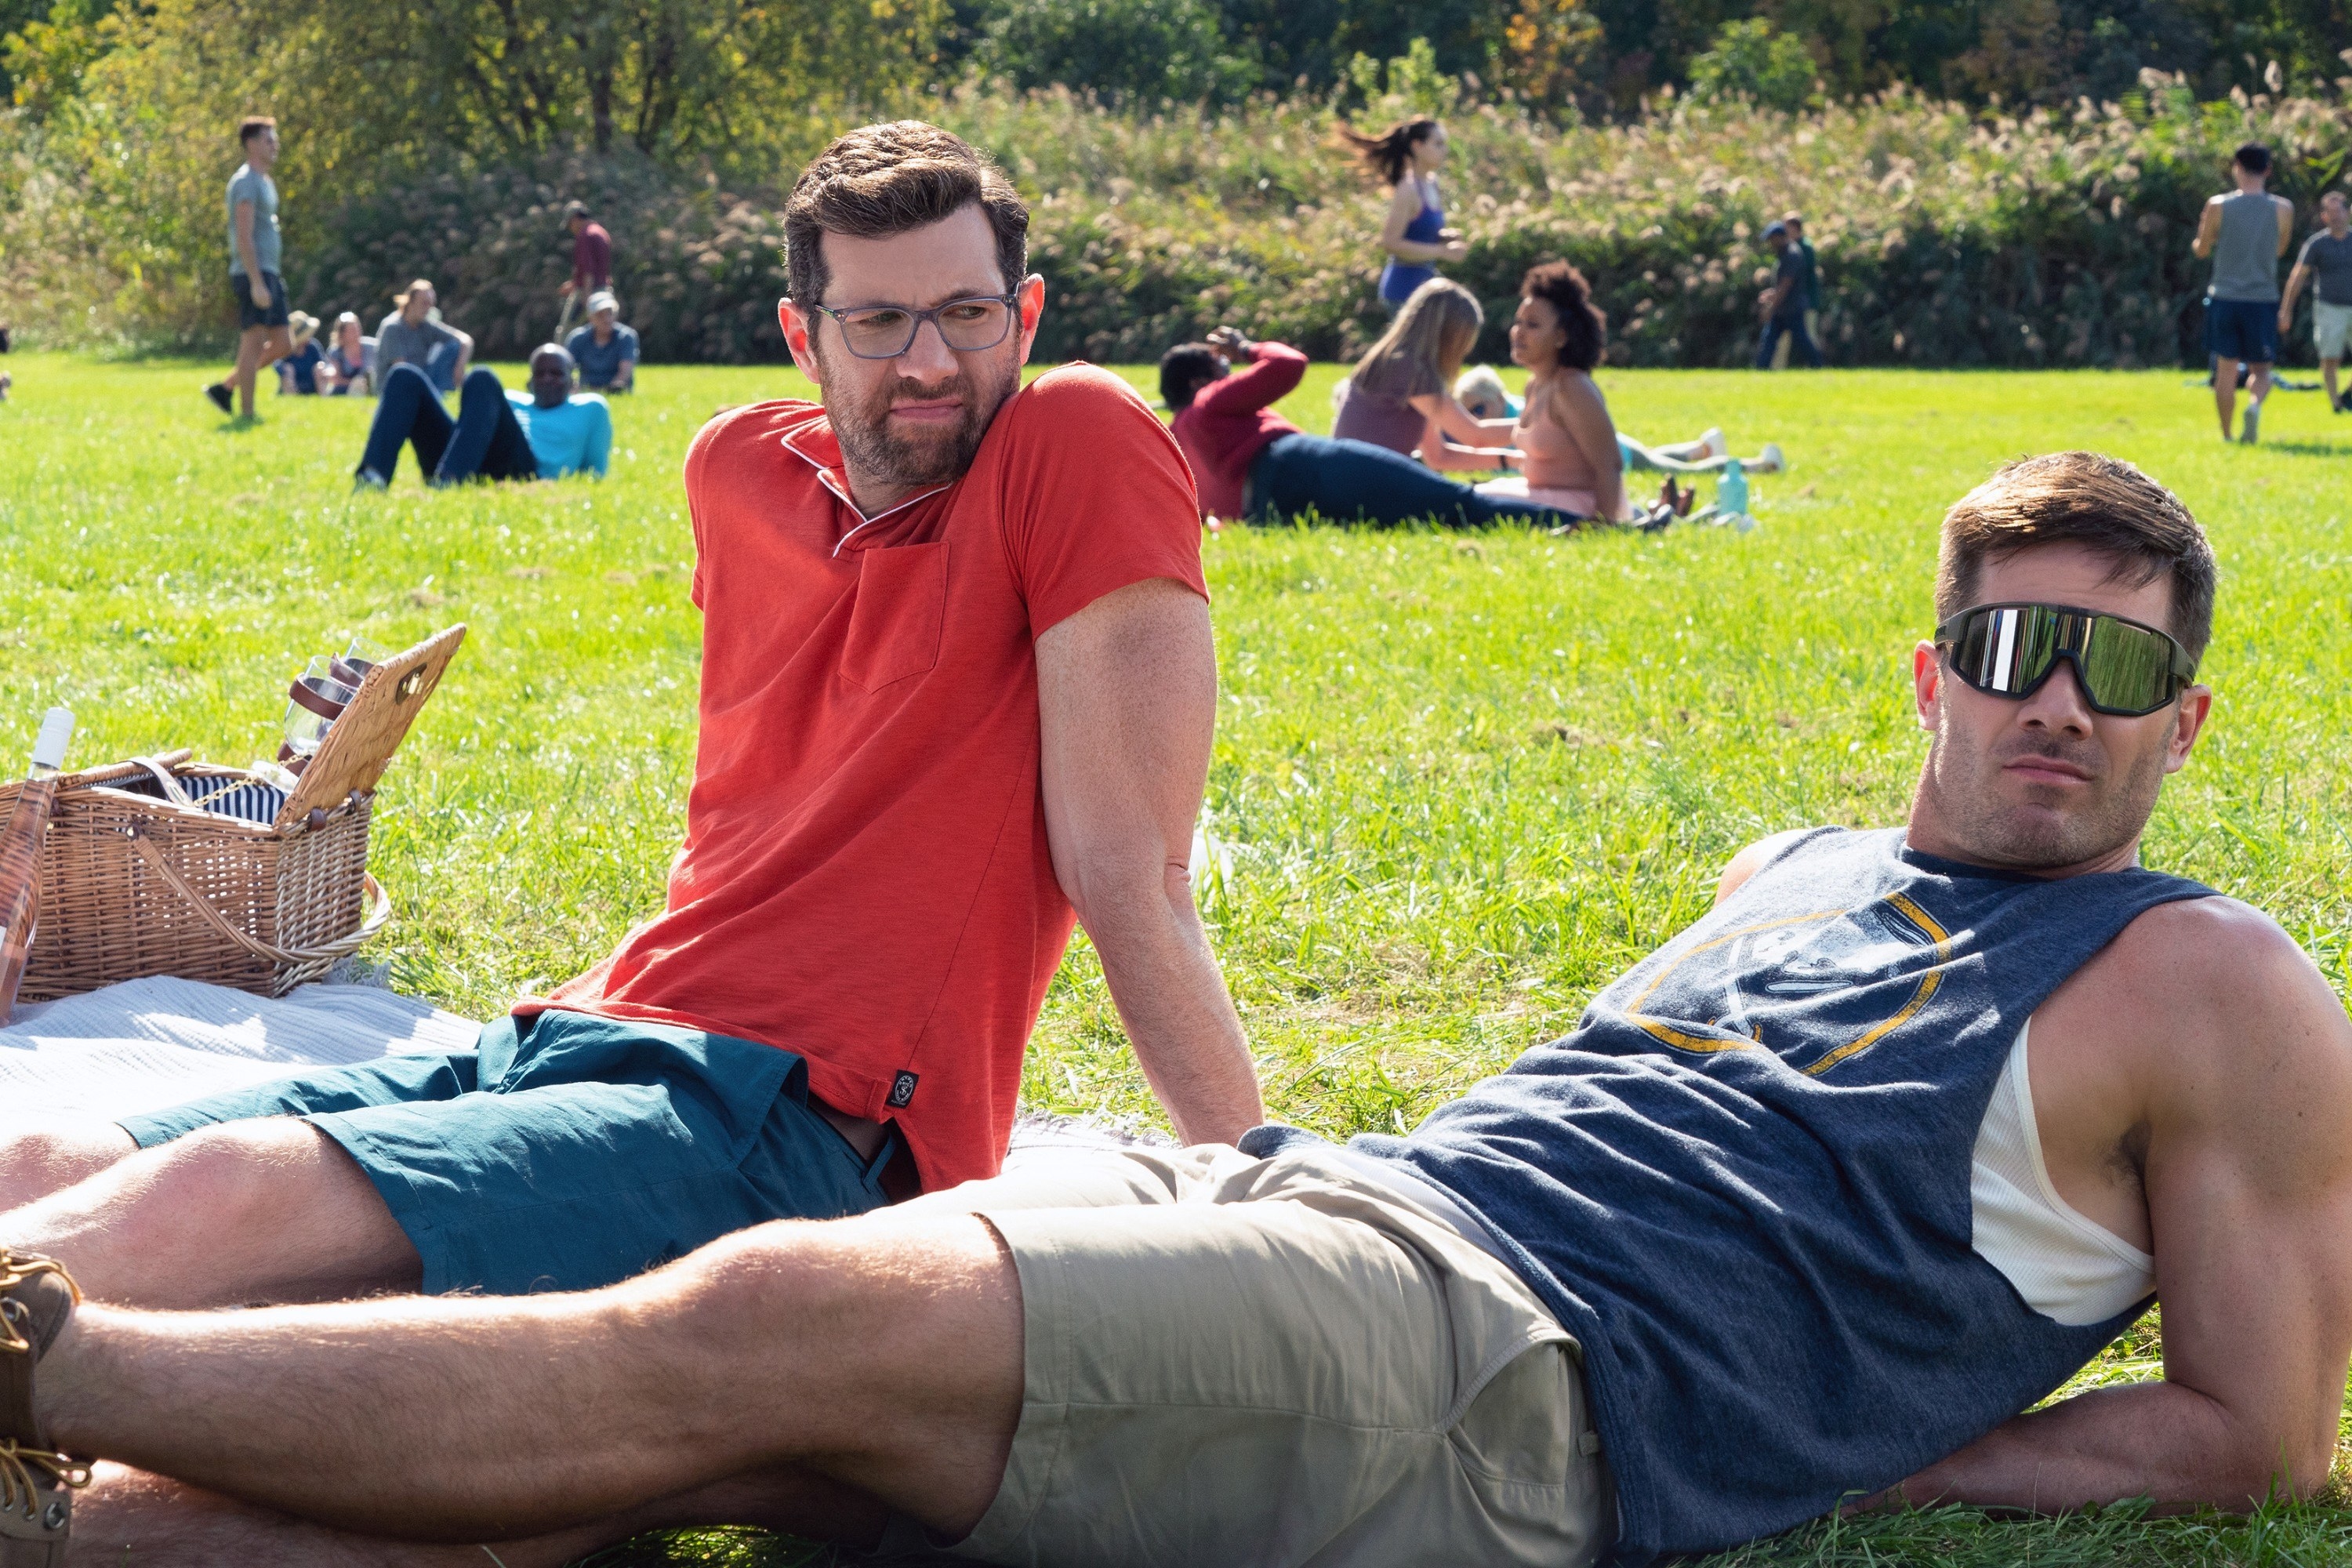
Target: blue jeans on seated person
(1355, 481)
(567, 1151)
(485, 441)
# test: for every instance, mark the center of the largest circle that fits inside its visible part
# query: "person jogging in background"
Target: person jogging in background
(2246, 232)
(591, 261)
(2326, 256)
(1405, 158)
(1783, 304)
(254, 262)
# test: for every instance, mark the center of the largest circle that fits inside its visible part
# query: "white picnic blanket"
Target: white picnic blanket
(148, 1044)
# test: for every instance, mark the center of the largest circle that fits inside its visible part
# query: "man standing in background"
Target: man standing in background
(254, 266)
(2327, 255)
(1783, 304)
(1811, 290)
(2246, 232)
(592, 261)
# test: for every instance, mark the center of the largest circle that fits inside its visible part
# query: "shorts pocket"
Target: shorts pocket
(900, 611)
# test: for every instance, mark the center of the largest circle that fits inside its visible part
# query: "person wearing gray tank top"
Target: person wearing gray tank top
(2246, 232)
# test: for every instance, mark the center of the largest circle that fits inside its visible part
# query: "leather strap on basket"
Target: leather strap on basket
(324, 707)
(380, 910)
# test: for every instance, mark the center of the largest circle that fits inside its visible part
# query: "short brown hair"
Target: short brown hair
(253, 125)
(2082, 498)
(881, 180)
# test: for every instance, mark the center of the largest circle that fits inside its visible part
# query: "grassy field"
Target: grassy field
(1459, 782)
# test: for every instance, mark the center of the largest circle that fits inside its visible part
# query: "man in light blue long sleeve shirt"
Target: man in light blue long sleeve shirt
(498, 434)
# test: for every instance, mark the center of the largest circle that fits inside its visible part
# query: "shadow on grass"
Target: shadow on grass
(2310, 448)
(2281, 1533)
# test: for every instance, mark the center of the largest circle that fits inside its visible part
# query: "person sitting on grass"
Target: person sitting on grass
(1480, 390)
(298, 368)
(605, 350)
(414, 335)
(1252, 463)
(1812, 1208)
(1571, 458)
(958, 692)
(1400, 395)
(351, 359)
(498, 434)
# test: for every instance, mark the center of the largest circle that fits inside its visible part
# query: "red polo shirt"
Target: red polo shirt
(866, 878)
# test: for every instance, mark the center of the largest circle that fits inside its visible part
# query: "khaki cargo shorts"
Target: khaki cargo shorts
(1235, 1362)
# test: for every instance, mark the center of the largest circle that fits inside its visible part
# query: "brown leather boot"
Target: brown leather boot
(36, 1482)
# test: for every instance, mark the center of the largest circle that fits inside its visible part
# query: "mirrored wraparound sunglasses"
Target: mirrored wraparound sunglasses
(885, 332)
(2124, 668)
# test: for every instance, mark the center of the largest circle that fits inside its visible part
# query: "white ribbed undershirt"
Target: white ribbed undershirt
(2068, 1268)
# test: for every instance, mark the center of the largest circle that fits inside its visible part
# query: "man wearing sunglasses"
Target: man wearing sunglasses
(1814, 1203)
(958, 690)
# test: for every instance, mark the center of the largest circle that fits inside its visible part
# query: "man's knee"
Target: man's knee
(239, 1172)
(406, 376)
(481, 385)
(852, 1272)
(43, 1160)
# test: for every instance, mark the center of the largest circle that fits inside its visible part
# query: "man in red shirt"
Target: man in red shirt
(958, 688)
(1252, 464)
(592, 260)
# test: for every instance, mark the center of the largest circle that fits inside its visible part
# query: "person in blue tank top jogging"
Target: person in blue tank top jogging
(1809, 1210)
(1405, 158)
(2246, 232)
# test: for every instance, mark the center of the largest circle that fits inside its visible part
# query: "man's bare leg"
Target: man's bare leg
(129, 1516)
(39, 1159)
(2225, 393)
(2328, 372)
(266, 1210)
(883, 1353)
(257, 347)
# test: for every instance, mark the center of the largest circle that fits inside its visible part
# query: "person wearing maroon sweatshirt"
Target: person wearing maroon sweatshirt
(1249, 462)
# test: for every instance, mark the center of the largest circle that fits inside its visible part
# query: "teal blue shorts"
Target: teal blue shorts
(566, 1151)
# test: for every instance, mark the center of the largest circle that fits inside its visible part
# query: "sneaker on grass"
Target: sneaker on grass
(2250, 423)
(218, 393)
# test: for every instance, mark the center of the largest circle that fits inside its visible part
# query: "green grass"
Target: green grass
(1459, 782)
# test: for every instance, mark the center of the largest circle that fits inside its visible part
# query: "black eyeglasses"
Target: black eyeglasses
(885, 332)
(2008, 650)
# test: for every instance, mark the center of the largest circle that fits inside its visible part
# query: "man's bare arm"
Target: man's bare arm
(2248, 1172)
(250, 257)
(2209, 227)
(1127, 699)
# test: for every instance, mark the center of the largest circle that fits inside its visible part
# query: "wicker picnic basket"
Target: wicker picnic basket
(137, 881)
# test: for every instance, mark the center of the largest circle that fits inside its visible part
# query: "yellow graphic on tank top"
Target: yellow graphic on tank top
(1862, 974)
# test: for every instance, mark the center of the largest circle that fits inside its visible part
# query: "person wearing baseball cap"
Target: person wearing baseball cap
(1782, 306)
(604, 350)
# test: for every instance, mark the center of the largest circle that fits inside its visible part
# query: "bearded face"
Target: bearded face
(904, 453)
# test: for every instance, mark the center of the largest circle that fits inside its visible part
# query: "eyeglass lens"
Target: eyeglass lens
(887, 331)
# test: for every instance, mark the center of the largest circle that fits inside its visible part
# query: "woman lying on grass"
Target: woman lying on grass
(1480, 390)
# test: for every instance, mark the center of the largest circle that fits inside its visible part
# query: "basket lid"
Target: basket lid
(360, 746)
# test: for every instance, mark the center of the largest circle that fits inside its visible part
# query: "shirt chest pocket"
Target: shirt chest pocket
(901, 610)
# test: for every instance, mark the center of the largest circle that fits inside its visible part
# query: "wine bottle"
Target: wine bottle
(20, 854)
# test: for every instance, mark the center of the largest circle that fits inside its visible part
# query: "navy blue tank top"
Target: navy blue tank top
(1743, 1182)
(1399, 279)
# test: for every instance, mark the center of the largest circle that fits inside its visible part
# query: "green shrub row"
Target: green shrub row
(1946, 237)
